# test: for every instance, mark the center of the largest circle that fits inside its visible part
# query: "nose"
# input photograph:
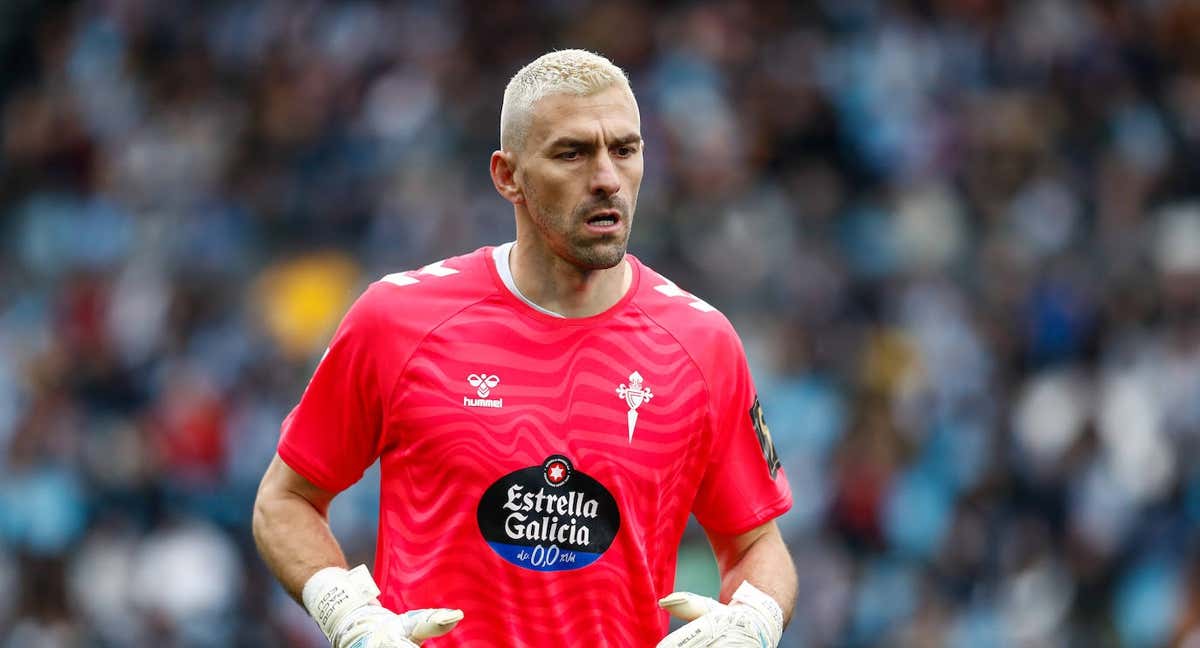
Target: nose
(605, 181)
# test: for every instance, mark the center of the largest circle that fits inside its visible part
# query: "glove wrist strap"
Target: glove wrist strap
(333, 593)
(758, 600)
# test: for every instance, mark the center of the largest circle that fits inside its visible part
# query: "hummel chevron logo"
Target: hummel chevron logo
(483, 384)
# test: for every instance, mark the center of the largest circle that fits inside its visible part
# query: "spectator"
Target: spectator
(961, 242)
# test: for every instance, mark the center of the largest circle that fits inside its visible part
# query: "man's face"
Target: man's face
(580, 170)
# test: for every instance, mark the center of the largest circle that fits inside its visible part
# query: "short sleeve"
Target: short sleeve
(744, 485)
(336, 430)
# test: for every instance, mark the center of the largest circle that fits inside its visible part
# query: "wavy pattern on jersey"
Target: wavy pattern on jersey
(531, 351)
(549, 608)
(581, 361)
(558, 388)
(589, 395)
(577, 622)
(585, 361)
(548, 611)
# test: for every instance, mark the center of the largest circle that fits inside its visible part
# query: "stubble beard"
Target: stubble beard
(572, 242)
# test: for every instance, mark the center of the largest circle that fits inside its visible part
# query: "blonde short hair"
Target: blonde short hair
(572, 71)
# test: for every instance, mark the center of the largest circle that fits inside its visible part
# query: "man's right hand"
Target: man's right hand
(344, 604)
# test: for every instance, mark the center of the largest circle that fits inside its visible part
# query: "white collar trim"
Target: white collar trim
(500, 256)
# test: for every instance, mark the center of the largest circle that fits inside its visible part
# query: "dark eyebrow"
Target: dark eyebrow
(570, 142)
(573, 142)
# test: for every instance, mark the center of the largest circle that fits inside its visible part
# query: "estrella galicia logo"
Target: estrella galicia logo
(549, 517)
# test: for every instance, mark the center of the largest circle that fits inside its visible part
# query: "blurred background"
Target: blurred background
(960, 239)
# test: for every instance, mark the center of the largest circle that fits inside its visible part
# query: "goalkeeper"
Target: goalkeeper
(547, 414)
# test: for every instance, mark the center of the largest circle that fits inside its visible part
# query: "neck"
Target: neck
(559, 286)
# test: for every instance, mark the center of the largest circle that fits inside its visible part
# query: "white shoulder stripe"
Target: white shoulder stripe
(438, 270)
(407, 277)
(671, 290)
(400, 279)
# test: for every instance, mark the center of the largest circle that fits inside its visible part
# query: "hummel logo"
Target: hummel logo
(483, 385)
(484, 382)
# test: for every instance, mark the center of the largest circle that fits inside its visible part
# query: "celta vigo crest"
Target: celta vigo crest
(634, 396)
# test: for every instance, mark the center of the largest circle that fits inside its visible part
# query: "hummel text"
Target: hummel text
(483, 402)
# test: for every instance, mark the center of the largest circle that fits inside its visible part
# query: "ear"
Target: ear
(504, 170)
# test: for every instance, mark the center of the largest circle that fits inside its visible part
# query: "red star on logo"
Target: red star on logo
(556, 472)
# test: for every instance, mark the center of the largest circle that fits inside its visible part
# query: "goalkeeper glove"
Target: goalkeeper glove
(344, 604)
(751, 620)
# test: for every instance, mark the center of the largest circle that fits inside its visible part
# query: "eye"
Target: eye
(569, 155)
(626, 150)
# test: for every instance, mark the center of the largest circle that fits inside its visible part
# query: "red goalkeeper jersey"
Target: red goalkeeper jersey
(536, 471)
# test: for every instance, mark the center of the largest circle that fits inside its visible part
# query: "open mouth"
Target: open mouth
(604, 219)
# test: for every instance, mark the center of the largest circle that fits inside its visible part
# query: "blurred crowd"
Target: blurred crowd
(960, 239)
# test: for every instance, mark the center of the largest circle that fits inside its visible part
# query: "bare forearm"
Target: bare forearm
(767, 565)
(295, 542)
(292, 534)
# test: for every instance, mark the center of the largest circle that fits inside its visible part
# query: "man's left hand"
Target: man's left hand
(751, 620)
